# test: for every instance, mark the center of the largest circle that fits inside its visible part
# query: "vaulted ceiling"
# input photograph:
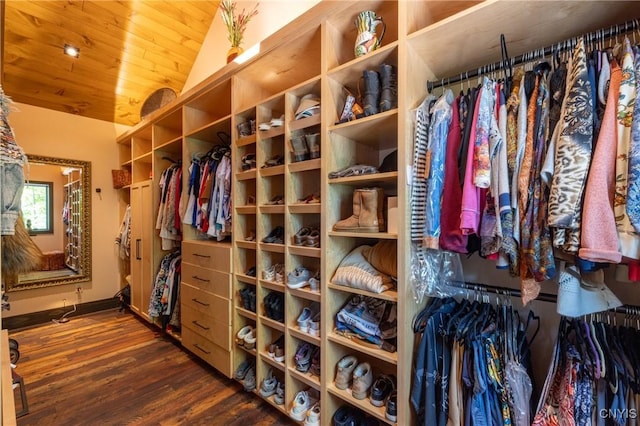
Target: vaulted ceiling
(128, 50)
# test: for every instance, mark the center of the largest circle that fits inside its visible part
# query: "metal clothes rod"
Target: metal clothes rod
(543, 297)
(595, 36)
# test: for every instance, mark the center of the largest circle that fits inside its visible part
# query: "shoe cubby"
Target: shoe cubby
(342, 31)
(269, 373)
(245, 230)
(268, 337)
(271, 233)
(295, 346)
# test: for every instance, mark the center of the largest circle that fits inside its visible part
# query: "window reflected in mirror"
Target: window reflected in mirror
(37, 207)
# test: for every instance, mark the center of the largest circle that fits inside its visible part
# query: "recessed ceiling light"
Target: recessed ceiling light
(72, 51)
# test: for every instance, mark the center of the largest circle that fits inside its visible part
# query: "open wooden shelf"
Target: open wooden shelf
(246, 209)
(305, 251)
(303, 123)
(276, 325)
(390, 357)
(305, 293)
(251, 245)
(275, 248)
(306, 378)
(266, 358)
(378, 235)
(363, 404)
(370, 179)
(391, 295)
(272, 285)
(247, 140)
(246, 174)
(304, 166)
(246, 279)
(304, 208)
(272, 209)
(246, 313)
(295, 332)
(272, 171)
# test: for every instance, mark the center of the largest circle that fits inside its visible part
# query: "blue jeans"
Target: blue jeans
(11, 186)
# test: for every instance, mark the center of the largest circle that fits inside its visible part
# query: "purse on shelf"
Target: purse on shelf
(121, 178)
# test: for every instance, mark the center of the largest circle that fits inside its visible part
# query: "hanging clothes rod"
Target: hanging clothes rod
(542, 297)
(592, 37)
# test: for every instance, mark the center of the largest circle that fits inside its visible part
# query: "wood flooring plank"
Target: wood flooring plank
(110, 368)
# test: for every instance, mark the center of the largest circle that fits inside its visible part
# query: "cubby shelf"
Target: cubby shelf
(249, 351)
(360, 180)
(272, 171)
(246, 209)
(274, 248)
(303, 123)
(246, 313)
(305, 251)
(305, 293)
(306, 378)
(272, 285)
(295, 332)
(266, 358)
(390, 357)
(250, 245)
(276, 325)
(247, 140)
(300, 208)
(246, 175)
(378, 235)
(363, 404)
(271, 401)
(378, 131)
(271, 133)
(245, 279)
(304, 166)
(391, 295)
(269, 209)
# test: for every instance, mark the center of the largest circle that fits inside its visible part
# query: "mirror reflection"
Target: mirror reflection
(56, 213)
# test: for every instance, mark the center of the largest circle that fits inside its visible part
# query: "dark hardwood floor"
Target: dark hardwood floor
(110, 368)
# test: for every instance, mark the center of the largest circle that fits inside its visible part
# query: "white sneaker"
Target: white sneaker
(300, 406)
(313, 415)
(314, 325)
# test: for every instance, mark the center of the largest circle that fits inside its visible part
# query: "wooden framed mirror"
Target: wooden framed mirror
(56, 209)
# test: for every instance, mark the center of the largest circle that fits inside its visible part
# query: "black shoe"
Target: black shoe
(392, 407)
(381, 389)
(276, 236)
(344, 416)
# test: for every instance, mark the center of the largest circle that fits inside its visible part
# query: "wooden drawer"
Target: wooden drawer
(207, 255)
(208, 351)
(207, 327)
(218, 283)
(209, 304)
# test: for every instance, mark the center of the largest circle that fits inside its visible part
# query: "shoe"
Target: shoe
(278, 199)
(298, 278)
(279, 353)
(264, 126)
(314, 282)
(250, 340)
(249, 381)
(351, 109)
(389, 87)
(313, 239)
(274, 306)
(251, 272)
(279, 396)
(242, 333)
(301, 236)
(277, 122)
(314, 325)
(391, 411)
(276, 160)
(362, 381)
(315, 362)
(381, 389)
(300, 406)
(268, 386)
(303, 357)
(344, 375)
(269, 274)
(304, 319)
(313, 144)
(313, 415)
(244, 129)
(243, 368)
(279, 342)
(300, 149)
(309, 106)
(276, 236)
(248, 161)
(251, 236)
(371, 99)
(367, 212)
(344, 416)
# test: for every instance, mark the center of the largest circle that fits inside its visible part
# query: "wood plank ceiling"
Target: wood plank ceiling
(128, 50)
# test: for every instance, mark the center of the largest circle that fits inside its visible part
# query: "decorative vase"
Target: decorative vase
(368, 40)
(233, 53)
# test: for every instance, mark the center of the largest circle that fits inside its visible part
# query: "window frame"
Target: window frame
(50, 222)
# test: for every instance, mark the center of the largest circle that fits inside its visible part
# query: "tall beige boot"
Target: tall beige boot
(371, 217)
(351, 224)
(367, 212)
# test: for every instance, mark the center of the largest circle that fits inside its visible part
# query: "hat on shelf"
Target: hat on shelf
(576, 298)
(309, 105)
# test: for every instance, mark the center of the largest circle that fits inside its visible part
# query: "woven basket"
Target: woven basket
(121, 178)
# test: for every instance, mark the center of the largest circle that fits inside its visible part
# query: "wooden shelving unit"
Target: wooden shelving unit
(314, 55)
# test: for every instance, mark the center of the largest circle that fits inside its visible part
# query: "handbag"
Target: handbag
(121, 178)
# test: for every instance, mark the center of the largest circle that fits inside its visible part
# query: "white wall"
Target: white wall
(272, 15)
(55, 134)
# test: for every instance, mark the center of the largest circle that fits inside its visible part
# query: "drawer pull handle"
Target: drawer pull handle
(195, 277)
(201, 303)
(200, 325)
(203, 350)
(201, 255)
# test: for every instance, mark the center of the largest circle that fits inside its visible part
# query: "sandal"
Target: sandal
(276, 160)
(248, 161)
(313, 239)
(278, 199)
(251, 236)
(277, 122)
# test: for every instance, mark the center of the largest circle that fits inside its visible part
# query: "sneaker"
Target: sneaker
(249, 381)
(305, 317)
(268, 386)
(345, 371)
(300, 406)
(381, 389)
(303, 357)
(313, 415)
(391, 412)
(279, 396)
(298, 278)
(314, 282)
(314, 325)
(277, 122)
(362, 381)
(243, 368)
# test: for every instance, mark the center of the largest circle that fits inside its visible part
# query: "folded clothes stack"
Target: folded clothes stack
(355, 170)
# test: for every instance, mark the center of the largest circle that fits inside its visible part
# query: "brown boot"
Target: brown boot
(371, 217)
(367, 212)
